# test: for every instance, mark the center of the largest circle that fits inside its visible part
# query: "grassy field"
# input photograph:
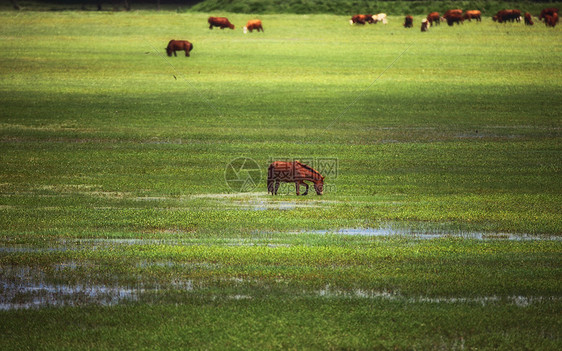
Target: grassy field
(440, 224)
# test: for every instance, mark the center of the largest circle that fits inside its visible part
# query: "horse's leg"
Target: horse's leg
(186, 53)
(175, 54)
(297, 187)
(277, 182)
(306, 191)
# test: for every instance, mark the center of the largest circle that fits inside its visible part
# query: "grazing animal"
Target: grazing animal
(528, 19)
(380, 17)
(221, 22)
(408, 22)
(253, 24)
(424, 25)
(548, 12)
(473, 14)
(361, 19)
(434, 18)
(503, 16)
(551, 21)
(453, 18)
(297, 172)
(179, 45)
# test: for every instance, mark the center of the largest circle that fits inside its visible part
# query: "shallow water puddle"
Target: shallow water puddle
(26, 287)
(409, 234)
(521, 301)
(28, 295)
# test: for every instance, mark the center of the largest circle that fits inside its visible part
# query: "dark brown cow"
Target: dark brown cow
(548, 12)
(528, 19)
(504, 16)
(424, 25)
(361, 19)
(473, 14)
(434, 17)
(551, 21)
(453, 18)
(221, 22)
(408, 22)
(179, 45)
(253, 24)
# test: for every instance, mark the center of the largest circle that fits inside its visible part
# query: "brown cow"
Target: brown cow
(177, 45)
(503, 16)
(551, 21)
(548, 12)
(408, 22)
(453, 18)
(221, 22)
(424, 25)
(473, 14)
(434, 17)
(528, 19)
(361, 19)
(253, 24)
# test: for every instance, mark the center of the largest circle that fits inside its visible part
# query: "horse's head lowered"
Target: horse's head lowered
(319, 186)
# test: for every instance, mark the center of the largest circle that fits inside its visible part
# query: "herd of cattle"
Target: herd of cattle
(548, 15)
(221, 22)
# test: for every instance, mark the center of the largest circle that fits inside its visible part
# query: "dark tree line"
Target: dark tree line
(100, 5)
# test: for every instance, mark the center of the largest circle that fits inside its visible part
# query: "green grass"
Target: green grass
(112, 175)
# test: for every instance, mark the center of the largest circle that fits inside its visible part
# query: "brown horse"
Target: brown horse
(281, 171)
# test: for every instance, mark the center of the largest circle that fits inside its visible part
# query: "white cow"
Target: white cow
(381, 17)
